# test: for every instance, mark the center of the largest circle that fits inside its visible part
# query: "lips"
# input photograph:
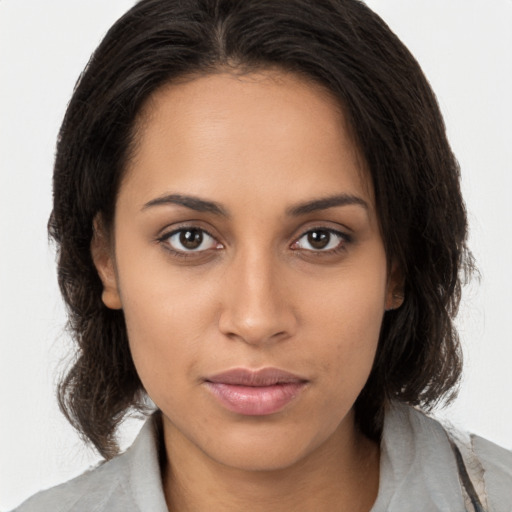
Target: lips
(255, 393)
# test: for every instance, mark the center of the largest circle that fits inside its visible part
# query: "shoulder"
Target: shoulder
(497, 472)
(91, 491)
(488, 466)
(129, 482)
(495, 458)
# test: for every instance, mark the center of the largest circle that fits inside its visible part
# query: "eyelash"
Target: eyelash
(164, 241)
(344, 240)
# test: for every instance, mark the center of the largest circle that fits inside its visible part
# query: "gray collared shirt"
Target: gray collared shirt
(418, 471)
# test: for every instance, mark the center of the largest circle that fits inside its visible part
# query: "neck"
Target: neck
(343, 471)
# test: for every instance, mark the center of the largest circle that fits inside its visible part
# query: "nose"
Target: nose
(257, 306)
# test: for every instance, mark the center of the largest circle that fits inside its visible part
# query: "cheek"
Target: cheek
(167, 321)
(348, 351)
(344, 319)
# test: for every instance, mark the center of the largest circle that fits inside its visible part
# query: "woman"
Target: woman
(260, 227)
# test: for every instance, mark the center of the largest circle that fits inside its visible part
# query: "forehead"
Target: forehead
(220, 134)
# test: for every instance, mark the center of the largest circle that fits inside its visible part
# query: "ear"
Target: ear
(395, 288)
(102, 254)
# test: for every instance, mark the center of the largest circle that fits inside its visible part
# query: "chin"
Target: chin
(264, 449)
(270, 458)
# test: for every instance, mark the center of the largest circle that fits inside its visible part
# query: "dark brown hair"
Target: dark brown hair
(396, 123)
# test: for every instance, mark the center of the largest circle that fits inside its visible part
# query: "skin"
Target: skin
(256, 294)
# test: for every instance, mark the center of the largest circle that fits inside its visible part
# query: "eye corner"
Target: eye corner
(323, 245)
(188, 241)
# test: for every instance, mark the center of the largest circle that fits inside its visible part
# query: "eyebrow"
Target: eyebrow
(202, 205)
(326, 203)
(194, 203)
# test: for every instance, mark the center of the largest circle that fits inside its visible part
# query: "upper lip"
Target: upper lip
(263, 377)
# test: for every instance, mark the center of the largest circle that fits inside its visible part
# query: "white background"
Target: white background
(464, 47)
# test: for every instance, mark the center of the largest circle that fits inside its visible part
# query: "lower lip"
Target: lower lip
(254, 400)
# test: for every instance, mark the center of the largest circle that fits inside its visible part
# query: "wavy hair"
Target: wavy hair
(395, 121)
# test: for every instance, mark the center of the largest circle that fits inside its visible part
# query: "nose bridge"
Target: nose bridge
(256, 308)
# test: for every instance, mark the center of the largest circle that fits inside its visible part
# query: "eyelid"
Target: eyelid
(174, 230)
(345, 239)
(169, 231)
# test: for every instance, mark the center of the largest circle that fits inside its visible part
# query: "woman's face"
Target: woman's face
(250, 268)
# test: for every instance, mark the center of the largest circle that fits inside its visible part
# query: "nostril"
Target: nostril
(254, 332)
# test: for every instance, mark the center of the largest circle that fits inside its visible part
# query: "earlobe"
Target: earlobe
(103, 257)
(395, 291)
(394, 300)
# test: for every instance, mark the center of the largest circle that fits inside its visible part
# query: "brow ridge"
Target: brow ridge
(192, 202)
(203, 205)
(325, 203)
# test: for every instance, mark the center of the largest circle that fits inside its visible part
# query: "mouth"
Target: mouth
(255, 393)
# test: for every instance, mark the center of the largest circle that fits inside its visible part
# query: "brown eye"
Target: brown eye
(321, 240)
(190, 240)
